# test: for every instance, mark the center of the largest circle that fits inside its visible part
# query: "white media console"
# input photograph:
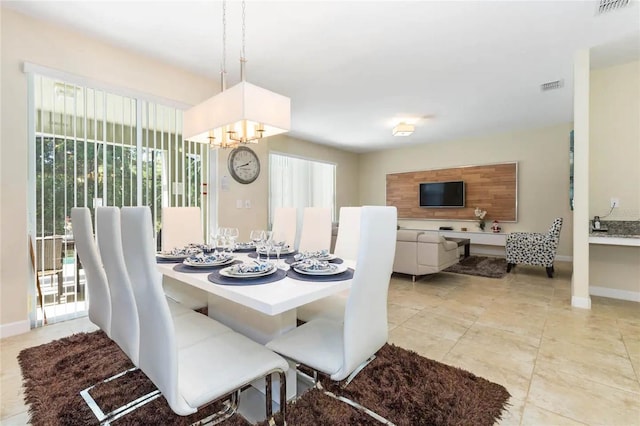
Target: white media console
(481, 242)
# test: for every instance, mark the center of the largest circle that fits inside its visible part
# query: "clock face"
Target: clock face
(244, 165)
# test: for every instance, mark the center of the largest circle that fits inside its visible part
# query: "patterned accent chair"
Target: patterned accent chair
(531, 248)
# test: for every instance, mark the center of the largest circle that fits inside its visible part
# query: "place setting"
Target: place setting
(205, 262)
(249, 273)
(323, 255)
(178, 254)
(314, 269)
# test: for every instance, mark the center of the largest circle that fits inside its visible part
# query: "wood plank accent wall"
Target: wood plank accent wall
(491, 187)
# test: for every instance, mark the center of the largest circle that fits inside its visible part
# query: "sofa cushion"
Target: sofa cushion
(431, 237)
(408, 235)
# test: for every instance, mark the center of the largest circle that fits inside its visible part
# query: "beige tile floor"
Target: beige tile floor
(562, 366)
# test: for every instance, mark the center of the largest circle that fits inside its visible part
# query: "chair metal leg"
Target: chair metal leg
(230, 408)
(362, 408)
(357, 370)
(106, 418)
(510, 266)
(283, 398)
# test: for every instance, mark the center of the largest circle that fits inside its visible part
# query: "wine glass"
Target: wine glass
(277, 247)
(256, 236)
(213, 242)
(232, 234)
(268, 242)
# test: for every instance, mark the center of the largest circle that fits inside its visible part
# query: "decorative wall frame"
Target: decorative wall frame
(491, 187)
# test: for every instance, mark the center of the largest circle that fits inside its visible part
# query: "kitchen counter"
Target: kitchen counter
(619, 233)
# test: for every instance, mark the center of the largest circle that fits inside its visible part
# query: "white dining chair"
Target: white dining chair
(347, 244)
(181, 226)
(348, 239)
(141, 269)
(99, 299)
(192, 376)
(316, 229)
(341, 349)
(124, 327)
(125, 330)
(285, 224)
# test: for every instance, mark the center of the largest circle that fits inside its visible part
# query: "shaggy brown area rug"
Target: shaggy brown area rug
(482, 266)
(400, 385)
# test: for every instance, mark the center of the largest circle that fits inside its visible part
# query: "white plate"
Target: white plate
(226, 272)
(273, 252)
(333, 271)
(327, 257)
(167, 256)
(207, 265)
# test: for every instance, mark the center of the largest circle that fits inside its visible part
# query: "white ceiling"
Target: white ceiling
(353, 68)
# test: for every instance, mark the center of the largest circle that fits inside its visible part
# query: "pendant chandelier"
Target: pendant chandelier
(245, 113)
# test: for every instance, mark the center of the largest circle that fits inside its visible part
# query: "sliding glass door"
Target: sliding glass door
(93, 148)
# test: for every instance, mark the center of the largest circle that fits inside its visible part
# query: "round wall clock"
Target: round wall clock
(244, 165)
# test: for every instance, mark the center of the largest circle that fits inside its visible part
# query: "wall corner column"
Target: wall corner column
(580, 279)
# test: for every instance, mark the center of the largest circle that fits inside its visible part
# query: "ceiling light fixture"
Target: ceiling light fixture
(403, 129)
(245, 113)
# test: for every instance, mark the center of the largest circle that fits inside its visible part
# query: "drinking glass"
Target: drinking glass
(277, 246)
(232, 234)
(268, 242)
(213, 243)
(256, 236)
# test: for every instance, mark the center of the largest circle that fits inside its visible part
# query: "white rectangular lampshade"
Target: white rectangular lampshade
(242, 102)
(403, 129)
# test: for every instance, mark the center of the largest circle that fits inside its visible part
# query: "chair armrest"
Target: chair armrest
(408, 235)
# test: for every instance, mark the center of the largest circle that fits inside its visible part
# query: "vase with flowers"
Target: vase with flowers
(480, 214)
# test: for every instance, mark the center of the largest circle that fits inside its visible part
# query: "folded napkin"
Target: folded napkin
(248, 245)
(188, 250)
(313, 265)
(209, 258)
(311, 254)
(255, 266)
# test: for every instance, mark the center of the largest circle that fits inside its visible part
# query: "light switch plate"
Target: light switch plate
(247, 204)
(238, 204)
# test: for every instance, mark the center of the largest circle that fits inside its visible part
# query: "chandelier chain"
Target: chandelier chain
(243, 30)
(224, 36)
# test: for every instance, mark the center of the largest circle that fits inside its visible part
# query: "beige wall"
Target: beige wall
(258, 191)
(543, 175)
(615, 170)
(615, 141)
(25, 39)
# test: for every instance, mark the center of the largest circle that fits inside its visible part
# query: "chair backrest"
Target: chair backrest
(125, 328)
(158, 353)
(49, 253)
(554, 232)
(348, 233)
(181, 226)
(97, 287)
(365, 320)
(316, 229)
(285, 224)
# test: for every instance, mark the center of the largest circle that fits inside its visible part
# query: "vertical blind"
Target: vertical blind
(94, 148)
(298, 182)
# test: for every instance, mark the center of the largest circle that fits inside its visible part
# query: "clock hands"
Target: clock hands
(243, 165)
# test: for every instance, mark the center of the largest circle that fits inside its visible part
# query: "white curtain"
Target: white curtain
(297, 182)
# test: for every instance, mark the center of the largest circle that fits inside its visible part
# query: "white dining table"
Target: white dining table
(263, 311)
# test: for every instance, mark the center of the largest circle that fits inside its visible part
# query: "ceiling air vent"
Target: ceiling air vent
(551, 85)
(609, 5)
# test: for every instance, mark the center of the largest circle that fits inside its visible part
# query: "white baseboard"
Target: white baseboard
(13, 328)
(581, 302)
(614, 293)
(564, 258)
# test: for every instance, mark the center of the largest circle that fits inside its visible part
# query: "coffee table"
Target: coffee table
(466, 242)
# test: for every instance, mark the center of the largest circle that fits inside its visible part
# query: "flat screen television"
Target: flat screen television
(442, 194)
